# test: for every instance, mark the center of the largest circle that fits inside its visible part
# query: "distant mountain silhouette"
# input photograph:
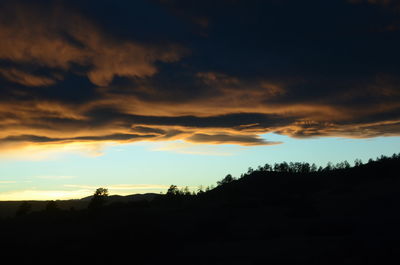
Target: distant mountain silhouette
(288, 213)
(8, 208)
(127, 198)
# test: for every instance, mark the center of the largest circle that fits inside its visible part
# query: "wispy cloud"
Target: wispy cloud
(34, 152)
(54, 177)
(34, 37)
(67, 86)
(118, 187)
(33, 194)
(7, 181)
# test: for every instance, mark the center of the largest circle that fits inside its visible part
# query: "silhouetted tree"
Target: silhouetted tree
(173, 190)
(306, 168)
(313, 168)
(346, 204)
(276, 167)
(228, 178)
(384, 158)
(281, 167)
(99, 198)
(342, 165)
(329, 167)
(200, 190)
(339, 165)
(292, 167)
(267, 167)
(185, 191)
(358, 162)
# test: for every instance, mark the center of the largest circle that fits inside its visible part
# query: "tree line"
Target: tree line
(283, 167)
(99, 197)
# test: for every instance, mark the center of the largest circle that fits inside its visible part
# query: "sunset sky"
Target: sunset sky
(137, 95)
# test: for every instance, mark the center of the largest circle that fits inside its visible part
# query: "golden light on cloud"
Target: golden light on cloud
(37, 152)
(70, 84)
(26, 79)
(31, 35)
(78, 80)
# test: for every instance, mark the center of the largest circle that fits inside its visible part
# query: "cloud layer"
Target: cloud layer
(199, 71)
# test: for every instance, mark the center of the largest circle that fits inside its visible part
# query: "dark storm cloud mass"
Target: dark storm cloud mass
(220, 72)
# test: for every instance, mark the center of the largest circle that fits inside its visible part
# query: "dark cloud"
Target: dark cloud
(221, 72)
(229, 139)
(44, 139)
(145, 130)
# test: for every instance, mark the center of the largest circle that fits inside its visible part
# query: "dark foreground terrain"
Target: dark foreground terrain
(288, 214)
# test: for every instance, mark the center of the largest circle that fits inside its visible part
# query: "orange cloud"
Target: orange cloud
(57, 38)
(26, 79)
(231, 117)
(42, 47)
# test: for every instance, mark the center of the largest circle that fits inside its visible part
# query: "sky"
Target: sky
(137, 95)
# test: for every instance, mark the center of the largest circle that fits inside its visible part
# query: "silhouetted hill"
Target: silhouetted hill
(286, 214)
(9, 208)
(127, 198)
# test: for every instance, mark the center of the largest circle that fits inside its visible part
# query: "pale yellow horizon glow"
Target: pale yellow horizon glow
(44, 195)
(80, 192)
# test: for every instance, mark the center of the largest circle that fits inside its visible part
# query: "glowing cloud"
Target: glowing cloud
(71, 81)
